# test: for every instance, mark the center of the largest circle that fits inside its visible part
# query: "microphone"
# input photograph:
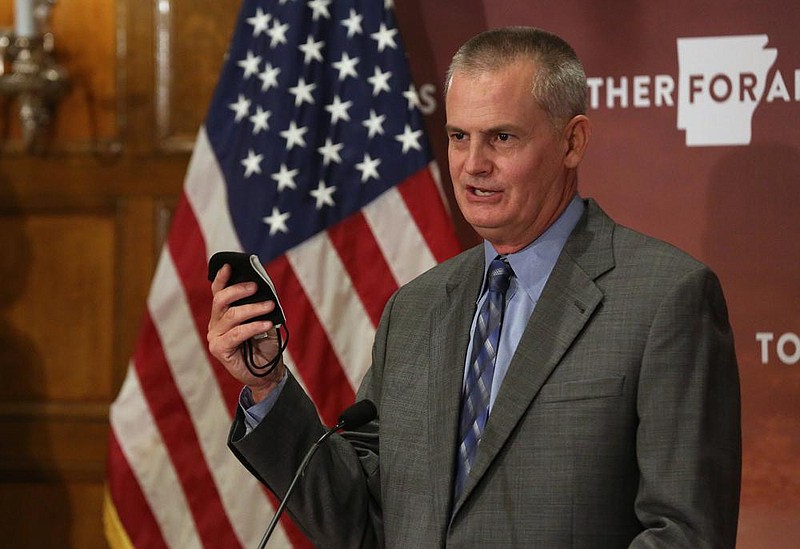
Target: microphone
(360, 413)
(355, 416)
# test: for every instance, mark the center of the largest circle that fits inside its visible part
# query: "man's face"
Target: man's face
(507, 161)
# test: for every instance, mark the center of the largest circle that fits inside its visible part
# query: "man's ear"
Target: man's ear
(576, 136)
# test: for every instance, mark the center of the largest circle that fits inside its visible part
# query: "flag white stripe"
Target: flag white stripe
(206, 191)
(330, 291)
(144, 450)
(433, 166)
(184, 351)
(398, 236)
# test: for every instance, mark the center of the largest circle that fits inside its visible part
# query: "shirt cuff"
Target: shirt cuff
(255, 412)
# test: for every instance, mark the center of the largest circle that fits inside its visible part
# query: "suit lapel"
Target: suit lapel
(566, 304)
(450, 327)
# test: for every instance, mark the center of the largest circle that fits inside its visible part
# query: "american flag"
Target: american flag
(313, 156)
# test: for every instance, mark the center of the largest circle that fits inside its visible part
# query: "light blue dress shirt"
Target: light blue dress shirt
(532, 266)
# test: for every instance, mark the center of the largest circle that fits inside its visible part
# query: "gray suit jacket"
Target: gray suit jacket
(618, 423)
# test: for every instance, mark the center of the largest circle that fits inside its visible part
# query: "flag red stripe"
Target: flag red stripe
(180, 439)
(369, 272)
(424, 202)
(132, 508)
(188, 251)
(315, 360)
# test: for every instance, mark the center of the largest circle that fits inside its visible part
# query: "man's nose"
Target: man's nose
(478, 159)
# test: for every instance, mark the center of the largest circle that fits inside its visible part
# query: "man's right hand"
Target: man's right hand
(226, 333)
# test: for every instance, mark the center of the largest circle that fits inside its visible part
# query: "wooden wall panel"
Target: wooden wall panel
(52, 515)
(56, 349)
(62, 308)
(85, 38)
(81, 228)
(191, 39)
(52, 441)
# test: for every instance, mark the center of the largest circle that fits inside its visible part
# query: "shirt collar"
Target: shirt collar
(532, 264)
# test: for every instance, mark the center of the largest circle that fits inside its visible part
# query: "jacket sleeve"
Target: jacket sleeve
(332, 502)
(337, 502)
(689, 432)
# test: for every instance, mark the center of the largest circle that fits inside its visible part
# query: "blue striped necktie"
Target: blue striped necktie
(478, 385)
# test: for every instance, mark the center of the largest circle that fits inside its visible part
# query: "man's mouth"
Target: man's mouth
(481, 192)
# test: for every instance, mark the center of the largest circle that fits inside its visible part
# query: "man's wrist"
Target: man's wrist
(257, 394)
(255, 411)
(262, 391)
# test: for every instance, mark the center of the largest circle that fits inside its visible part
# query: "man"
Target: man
(612, 392)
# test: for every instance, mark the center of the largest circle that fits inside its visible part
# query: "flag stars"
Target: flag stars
(409, 139)
(311, 50)
(330, 152)
(285, 178)
(368, 168)
(384, 37)
(277, 33)
(269, 77)
(288, 177)
(302, 92)
(323, 195)
(260, 120)
(320, 8)
(353, 24)
(338, 110)
(241, 107)
(260, 22)
(277, 221)
(294, 136)
(252, 164)
(374, 124)
(250, 64)
(380, 81)
(346, 66)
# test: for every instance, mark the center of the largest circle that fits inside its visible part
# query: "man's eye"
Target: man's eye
(503, 137)
(457, 136)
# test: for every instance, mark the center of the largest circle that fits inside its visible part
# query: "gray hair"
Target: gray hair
(559, 85)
